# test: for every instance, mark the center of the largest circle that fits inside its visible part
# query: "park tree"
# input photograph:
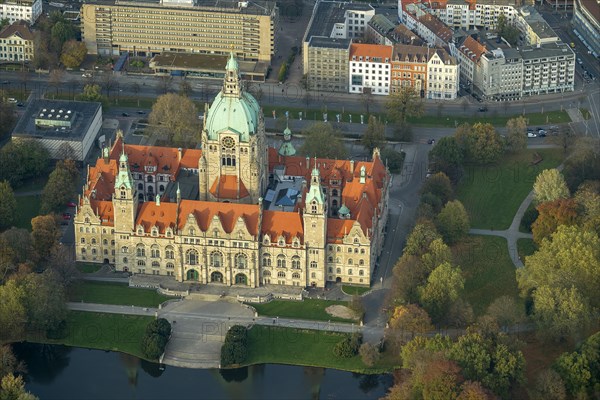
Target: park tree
(153, 346)
(574, 369)
(8, 206)
(7, 116)
(9, 363)
(73, 53)
(473, 390)
(62, 264)
(481, 143)
(176, 117)
(560, 313)
(410, 318)
(516, 134)
(550, 185)
(507, 31)
(45, 235)
(318, 134)
(448, 157)
(420, 238)
(453, 222)
(12, 387)
(548, 386)
(45, 301)
(409, 274)
(401, 105)
(159, 326)
(439, 185)
(13, 314)
(437, 253)
(588, 200)
(583, 163)
(552, 214)
(369, 354)
(443, 287)
(393, 159)
(374, 136)
(61, 32)
(60, 187)
(568, 258)
(505, 311)
(18, 241)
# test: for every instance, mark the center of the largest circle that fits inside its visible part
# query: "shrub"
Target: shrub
(394, 159)
(348, 347)
(369, 354)
(283, 72)
(160, 327)
(235, 347)
(432, 200)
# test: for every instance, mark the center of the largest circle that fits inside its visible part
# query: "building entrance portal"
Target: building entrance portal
(217, 277)
(192, 275)
(241, 279)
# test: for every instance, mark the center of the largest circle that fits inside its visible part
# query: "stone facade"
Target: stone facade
(274, 218)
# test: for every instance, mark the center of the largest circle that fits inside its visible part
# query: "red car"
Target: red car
(71, 204)
(66, 216)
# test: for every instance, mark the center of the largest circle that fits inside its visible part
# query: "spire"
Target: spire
(178, 193)
(157, 200)
(287, 148)
(315, 194)
(124, 178)
(232, 64)
(231, 83)
(363, 174)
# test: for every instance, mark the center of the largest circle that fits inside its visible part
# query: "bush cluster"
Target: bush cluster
(156, 337)
(349, 346)
(235, 347)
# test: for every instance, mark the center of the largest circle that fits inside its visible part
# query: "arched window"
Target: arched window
(266, 273)
(150, 189)
(94, 251)
(241, 261)
(313, 275)
(191, 231)
(124, 249)
(334, 192)
(93, 241)
(82, 250)
(82, 240)
(169, 253)
(361, 262)
(141, 251)
(150, 178)
(216, 259)
(295, 262)
(140, 186)
(350, 261)
(155, 252)
(93, 230)
(155, 264)
(313, 264)
(295, 275)
(350, 271)
(266, 260)
(161, 188)
(191, 257)
(170, 266)
(362, 251)
(281, 261)
(355, 251)
(361, 272)
(281, 274)
(338, 270)
(105, 242)
(141, 263)
(124, 260)
(356, 240)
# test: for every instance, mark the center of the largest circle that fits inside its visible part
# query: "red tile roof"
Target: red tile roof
(371, 50)
(227, 186)
(472, 49)
(281, 223)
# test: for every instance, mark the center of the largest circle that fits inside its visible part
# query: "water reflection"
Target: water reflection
(59, 372)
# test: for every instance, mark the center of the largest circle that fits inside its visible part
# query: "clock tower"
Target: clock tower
(233, 166)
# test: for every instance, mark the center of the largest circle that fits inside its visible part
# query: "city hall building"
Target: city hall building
(235, 212)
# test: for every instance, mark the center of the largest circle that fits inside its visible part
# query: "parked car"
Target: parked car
(86, 75)
(66, 216)
(12, 100)
(71, 204)
(141, 112)
(483, 109)
(531, 134)
(125, 114)
(431, 141)
(542, 133)
(20, 105)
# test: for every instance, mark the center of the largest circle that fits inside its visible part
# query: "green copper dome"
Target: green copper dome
(233, 109)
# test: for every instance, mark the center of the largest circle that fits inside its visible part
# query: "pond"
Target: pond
(61, 372)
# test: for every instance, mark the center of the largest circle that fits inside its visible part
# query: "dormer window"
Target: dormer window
(140, 232)
(281, 242)
(191, 231)
(154, 231)
(168, 232)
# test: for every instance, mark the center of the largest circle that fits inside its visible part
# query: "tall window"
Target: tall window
(155, 252)
(191, 257)
(281, 274)
(313, 264)
(281, 261)
(296, 262)
(241, 261)
(169, 253)
(141, 251)
(266, 261)
(216, 259)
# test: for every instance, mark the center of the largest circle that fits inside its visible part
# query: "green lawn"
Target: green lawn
(525, 247)
(280, 345)
(88, 268)
(27, 208)
(310, 309)
(116, 293)
(103, 331)
(352, 290)
(488, 270)
(492, 194)
(32, 184)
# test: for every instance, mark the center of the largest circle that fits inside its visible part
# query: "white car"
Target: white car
(86, 75)
(531, 134)
(12, 100)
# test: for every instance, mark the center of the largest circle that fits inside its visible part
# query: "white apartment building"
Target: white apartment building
(16, 42)
(499, 74)
(534, 29)
(369, 68)
(442, 76)
(548, 68)
(16, 10)
(468, 52)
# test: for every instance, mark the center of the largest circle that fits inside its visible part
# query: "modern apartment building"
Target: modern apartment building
(326, 43)
(586, 24)
(16, 42)
(500, 74)
(147, 28)
(327, 61)
(16, 10)
(370, 68)
(548, 68)
(534, 28)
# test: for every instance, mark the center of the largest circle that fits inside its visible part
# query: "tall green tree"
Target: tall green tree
(45, 301)
(324, 141)
(405, 103)
(439, 185)
(481, 143)
(443, 288)
(548, 386)
(13, 388)
(91, 92)
(420, 238)
(550, 185)
(374, 136)
(453, 221)
(448, 157)
(61, 32)
(13, 314)
(45, 235)
(8, 206)
(60, 187)
(176, 117)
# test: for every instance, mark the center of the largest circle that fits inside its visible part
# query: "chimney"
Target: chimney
(352, 166)
(179, 151)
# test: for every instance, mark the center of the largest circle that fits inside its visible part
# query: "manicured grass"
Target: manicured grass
(525, 247)
(352, 290)
(492, 194)
(28, 207)
(489, 273)
(280, 345)
(116, 293)
(33, 184)
(103, 331)
(88, 268)
(310, 309)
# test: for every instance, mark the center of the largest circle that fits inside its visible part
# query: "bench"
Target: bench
(536, 159)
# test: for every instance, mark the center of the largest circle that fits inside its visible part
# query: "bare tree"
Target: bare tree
(366, 99)
(164, 85)
(185, 88)
(108, 82)
(56, 78)
(135, 88)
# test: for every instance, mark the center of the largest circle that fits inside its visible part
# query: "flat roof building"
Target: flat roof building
(147, 28)
(67, 129)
